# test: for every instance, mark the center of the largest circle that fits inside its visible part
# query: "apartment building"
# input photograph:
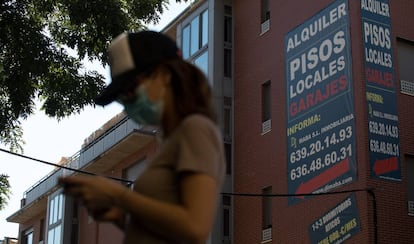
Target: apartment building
(314, 99)
(121, 148)
(322, 104)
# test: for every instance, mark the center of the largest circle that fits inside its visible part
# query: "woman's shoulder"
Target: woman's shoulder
(197, 119)
(198, 123)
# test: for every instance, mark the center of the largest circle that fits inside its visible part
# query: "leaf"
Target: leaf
(34, 63)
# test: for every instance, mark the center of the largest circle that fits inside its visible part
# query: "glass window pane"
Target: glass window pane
(227, 148)
(195, 33)
(265, 14)
(266, 102)
(228, 29)
(56, 209)
(51, 205)
(58, 234)
(202, 62)
(227, 69)
(30, 238)
(60, 210)
(186, 42)
(227, 117)
(267, 208)
(226, 222)
(51, 236)
(204, 28)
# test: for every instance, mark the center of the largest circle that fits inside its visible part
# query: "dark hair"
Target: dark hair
(191, 90)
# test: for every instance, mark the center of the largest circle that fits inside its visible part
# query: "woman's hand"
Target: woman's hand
(113, 214)
(98, 194)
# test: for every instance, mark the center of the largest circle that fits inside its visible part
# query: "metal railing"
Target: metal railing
(411, 208)
(81, 158)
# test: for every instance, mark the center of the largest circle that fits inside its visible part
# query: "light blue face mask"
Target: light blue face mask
(142, 110)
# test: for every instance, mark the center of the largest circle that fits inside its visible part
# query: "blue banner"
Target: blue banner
(337, 225)
(381, 96)
(320, 111)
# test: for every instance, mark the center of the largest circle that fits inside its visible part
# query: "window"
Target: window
(228, 126)
(228, 152)
(267, 214)
(227, 120)
(194, 41)
(204, 28)
(228, 24)
(267, 207)
(202, 62)
(186, 42)
(266, 101)
(410, 184)
(266, 107)
(228, 39)
(195, 35)
(226, 222)
(55, 219)
(265, 16)
(42, 230)
(265, 11)
(226, 219)
(405, 63)
(227, 69)
(27, 236)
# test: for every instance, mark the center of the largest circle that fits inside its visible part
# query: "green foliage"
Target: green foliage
(4, 190)
(34, 61)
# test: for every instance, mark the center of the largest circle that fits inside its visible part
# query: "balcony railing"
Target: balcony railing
(407, 87)
(266, 126)
(82, 158)
(265, 27)
(411, 208)
(267, 235)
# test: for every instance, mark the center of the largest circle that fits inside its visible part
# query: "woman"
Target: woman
(174, 199)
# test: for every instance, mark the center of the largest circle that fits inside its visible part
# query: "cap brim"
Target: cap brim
(109, 94)
(118, 86)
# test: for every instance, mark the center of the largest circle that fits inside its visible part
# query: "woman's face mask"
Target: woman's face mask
(142, 110)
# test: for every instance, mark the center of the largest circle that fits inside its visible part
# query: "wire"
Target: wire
(298, 194)
(64, 167)
(128, 182)
(223, 193)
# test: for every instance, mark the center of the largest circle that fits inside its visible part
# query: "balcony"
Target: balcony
(104, 152)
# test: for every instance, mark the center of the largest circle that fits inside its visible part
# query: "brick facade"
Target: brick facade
(260, 160)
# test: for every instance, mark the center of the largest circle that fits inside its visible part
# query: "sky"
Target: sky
(50, 140)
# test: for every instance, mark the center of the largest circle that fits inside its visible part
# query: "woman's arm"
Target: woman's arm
(95, 194)
(190, 221)
(113, 214)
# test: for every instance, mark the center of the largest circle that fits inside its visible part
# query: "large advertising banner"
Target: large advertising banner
(320, 110)
(337, 225)
(381, 96)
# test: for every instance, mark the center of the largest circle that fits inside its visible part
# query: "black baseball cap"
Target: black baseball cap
(131, 54)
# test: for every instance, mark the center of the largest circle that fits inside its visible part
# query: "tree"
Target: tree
(34, 61)
(4, 191)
